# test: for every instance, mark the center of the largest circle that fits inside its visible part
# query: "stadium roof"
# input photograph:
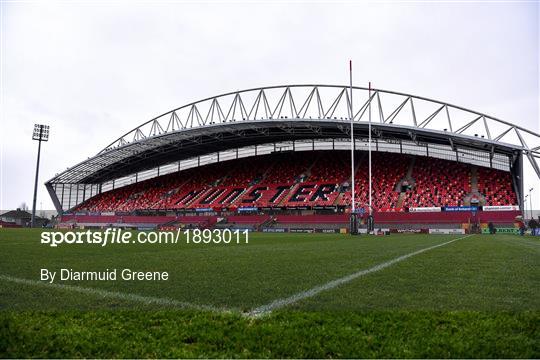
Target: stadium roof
(296, 112)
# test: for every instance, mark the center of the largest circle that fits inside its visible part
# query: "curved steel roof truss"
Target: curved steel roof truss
(299, 112)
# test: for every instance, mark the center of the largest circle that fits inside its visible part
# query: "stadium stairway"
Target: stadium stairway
(266, 223)
(339, 199)
(171, 223)
(359, 158)
(474, 179)
(407, 177)
(308, 170)
(299, 179)
(209, 223)
(267, 171)
(474, 189)
(286, 198)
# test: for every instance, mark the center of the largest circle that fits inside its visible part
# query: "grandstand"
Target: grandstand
(268, 160)
(310, 180)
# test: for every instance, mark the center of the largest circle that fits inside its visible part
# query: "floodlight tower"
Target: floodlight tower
(525, 207)
(41, 133)
(530, 201)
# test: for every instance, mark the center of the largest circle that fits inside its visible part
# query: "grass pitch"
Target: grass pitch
(475, 297)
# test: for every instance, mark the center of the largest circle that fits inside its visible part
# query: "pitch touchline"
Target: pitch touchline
(148, 300)
(279, 303)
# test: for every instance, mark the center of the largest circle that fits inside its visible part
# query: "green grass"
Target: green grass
(477, 297)
(163, 334)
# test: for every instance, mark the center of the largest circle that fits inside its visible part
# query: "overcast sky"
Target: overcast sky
(94, 70)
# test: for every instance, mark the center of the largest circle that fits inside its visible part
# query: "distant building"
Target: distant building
(21, 218)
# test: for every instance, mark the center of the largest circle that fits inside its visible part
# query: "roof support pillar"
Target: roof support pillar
(54, 197)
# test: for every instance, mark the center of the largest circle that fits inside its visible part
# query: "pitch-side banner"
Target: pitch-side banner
(446, 231)
(425, 209)
(461, 208)
(502, 230)
(247, 209)
(501, 208)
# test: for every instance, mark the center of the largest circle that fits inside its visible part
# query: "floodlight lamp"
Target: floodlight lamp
(41, 132)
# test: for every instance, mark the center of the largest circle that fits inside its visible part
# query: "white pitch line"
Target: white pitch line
(147, 300)
(279, 303)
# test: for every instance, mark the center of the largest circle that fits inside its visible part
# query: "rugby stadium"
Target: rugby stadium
(447, 270)
(278, 159)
